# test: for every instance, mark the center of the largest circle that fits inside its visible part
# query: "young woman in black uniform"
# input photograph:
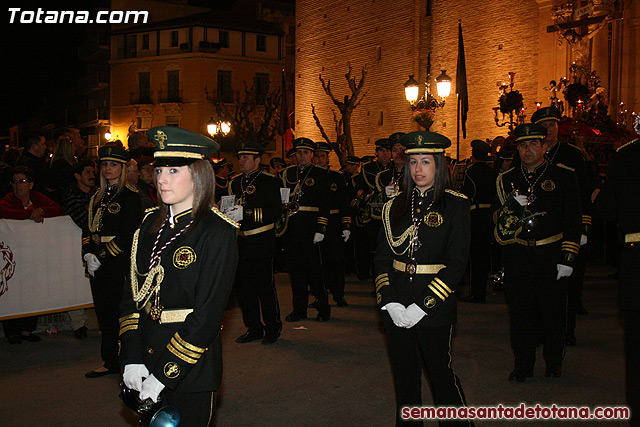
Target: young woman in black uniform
(422, 254)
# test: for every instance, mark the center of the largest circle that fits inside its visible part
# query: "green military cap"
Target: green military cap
(179, 147)
(425, 142)
(219, 163)
(546, 113)
(527, 131)
(395, 137)
(249, 147)
(115, 153)
(383, 143)
(291, 152)
(304, 143)
(505, 152)
(277, 161)
(353, 160)
(323, 146)
(366, 159)
(480, 146)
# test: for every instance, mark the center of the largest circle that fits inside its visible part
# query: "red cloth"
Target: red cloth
(11, 207)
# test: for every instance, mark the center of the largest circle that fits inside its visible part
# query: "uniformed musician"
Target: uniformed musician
(183, 261)
(422, 254)
(388, 181)
(222, 169)
(257, 195)
(332, 248)
(307, 225)
(537, 215)
(114, 215)
(479, 186)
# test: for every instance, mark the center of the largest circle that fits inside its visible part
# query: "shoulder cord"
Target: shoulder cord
(394, 241)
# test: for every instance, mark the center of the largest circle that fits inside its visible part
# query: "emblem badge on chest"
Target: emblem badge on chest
(548, 185)
(433, 219)
(251, 189)
(334, 186)
(114, 208)
(309, 182)
(183, 257)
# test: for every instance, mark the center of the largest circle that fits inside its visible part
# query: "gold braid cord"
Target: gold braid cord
(142, 296)
(94, 221)
(394, 241)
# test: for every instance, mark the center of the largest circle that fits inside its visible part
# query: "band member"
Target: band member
(222, 169)
(183, 261)
(422, 254)
(114, 215)
(258, 197)
(338, 228)
(309, 215)
(538, 221)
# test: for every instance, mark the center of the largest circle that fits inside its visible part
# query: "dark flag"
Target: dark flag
(285, 123)
(461, 83)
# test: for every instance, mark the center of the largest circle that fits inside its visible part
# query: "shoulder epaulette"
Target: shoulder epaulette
(574, 146)
(627, 144)
(132, 188)
(268, 174)
(565, 167)
(216, 211)
(455, 193)
(149, 211)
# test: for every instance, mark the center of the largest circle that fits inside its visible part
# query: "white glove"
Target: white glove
(563, 271)
(151, 388)
(413, 314)
(235, 213)
(390, 190)
(318, 237)
(522, 199)
(133, 375)
(92, 263)
(346, 234)
(397, 313)
(583, 240)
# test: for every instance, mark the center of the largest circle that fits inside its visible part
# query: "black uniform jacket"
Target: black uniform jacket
(110, 230)
(339, 201)
(259, 194)
(619, 201)
(313, 215)
(445, 236)
(221, 187)
(556, 193)
(479, 185)
(199, 267)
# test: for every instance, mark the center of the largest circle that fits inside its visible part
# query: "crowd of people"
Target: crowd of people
(168, 232)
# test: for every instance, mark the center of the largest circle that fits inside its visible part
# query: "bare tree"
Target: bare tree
(253, 117)
(343, 145)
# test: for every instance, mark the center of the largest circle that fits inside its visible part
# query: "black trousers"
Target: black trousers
(574, 295)
(361, 252)
(256, 289)
(303, 262)
(632, 363)
(431, 346)
(196, 409)
(107, 287)
(537, 304)
(332, 256)
(13, 327)
(480, 254)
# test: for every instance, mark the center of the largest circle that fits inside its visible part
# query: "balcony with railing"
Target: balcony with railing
(172, 96)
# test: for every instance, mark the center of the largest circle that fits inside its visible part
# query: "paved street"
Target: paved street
(326, 374)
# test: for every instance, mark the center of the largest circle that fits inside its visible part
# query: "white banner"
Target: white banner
(41, 267)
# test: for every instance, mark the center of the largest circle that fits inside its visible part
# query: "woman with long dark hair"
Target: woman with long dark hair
(422, 254)
(114, 215)
(183, 262)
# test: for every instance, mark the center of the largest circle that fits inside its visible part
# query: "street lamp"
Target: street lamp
(428, 101)
(108, 135)
(214, 128)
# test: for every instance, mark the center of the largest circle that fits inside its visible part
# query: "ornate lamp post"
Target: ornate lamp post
(218, 128)
(424, 107)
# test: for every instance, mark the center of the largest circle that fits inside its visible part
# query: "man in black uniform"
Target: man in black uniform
(258, 195)
(309, 215)
(619, 201)
(479, 186)
(338, 229)
(388, 181)
(222, 169)
(538, 218)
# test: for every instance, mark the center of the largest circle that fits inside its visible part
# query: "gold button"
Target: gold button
(150, 350)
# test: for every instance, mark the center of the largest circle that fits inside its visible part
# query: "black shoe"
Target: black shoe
(341, 302)
(31, 338)
(295, 316)
(14, 339)
(323, 317)
(270, 338)
(98, 374)
(519, 375)
(473, 298)
(80, 333)
(314, 304)
(248, 337)
(553, 371)
(570, 340)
